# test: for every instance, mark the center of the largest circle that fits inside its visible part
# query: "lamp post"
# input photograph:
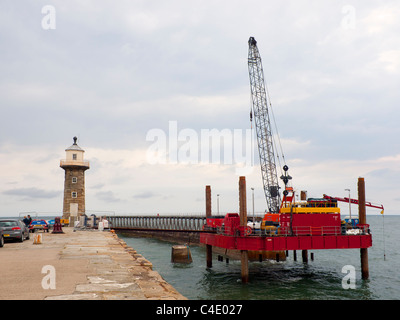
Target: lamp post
(349, 204)
(218, 203)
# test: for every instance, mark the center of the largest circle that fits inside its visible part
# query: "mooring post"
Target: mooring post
(243, 224)
(362, 220)
(208, 214)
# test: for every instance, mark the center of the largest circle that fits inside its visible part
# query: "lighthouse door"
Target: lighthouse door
(73, 209)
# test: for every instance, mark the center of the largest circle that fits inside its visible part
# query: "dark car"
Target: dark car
(14, 229)
(38, 224)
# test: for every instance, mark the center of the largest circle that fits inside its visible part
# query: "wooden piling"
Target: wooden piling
(242, 202)
(209, 255)
(243, 223)
(304, 255)
(208, 201)
(362, 220)
(361, 201)
(364, 263)
(208, 214)
(245, 265)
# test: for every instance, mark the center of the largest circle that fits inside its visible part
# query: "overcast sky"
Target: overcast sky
(117, 74)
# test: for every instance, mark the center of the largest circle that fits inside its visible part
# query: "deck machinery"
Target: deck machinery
(314, 223)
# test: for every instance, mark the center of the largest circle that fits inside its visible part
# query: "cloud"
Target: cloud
(145, 195)
(107, 196)
(32, 193)
(97, 186)
(381, 19)
(390, 60)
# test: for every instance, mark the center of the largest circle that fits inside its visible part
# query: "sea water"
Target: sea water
(324, 278)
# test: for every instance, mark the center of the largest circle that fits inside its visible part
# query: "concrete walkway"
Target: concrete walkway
(81, 265)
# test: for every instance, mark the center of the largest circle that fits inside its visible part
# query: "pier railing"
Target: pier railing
(174, 223)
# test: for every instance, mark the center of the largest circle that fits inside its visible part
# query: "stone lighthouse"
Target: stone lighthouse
(74, 182)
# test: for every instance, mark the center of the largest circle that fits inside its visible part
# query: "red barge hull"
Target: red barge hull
(278, 243)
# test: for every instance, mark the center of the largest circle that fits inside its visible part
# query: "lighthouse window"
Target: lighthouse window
(74, 179)
(74, 194)
(74, 156)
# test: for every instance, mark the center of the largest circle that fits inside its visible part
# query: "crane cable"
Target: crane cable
(277, 133)
(276, 130)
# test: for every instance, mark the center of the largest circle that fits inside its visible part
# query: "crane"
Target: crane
(263, 129)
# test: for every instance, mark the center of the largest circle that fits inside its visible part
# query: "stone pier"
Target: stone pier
(79, 265)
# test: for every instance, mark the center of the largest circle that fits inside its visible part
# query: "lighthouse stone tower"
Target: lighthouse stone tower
(74, 183)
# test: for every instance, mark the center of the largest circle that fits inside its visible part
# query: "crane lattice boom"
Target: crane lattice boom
(263, 128)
